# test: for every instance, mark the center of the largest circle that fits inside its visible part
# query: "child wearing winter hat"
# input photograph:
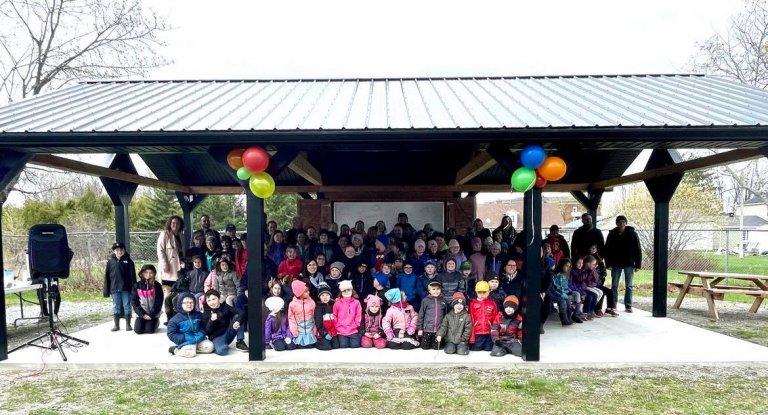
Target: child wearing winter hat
(325, 322)
(379, 287)
(301, 316)
(431, 315)
(497, 294)
(456, 327)
(507, 333)
(400, 322)
(452, 280)
(484, 314)
(185, 329)
(409, 282)
(347, 312)
(335, 277)
(119, 278)
(372, 335)
(277, 335)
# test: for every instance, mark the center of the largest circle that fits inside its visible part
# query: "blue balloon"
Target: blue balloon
(532, 156)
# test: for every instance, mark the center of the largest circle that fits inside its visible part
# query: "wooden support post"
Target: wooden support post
(662, 189)
(121, 193)
(11, 164)
(533, 272)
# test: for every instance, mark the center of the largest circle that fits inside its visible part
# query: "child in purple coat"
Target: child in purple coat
(277, 335)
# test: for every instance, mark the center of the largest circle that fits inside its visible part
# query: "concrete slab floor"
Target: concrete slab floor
(635, 339)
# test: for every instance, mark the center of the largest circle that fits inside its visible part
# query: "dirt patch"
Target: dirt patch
(735, 318)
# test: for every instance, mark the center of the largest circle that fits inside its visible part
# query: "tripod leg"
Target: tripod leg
(68, 337)
(56, 345)
(30, 343)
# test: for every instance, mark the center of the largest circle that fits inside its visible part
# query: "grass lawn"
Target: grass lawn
(386, 391)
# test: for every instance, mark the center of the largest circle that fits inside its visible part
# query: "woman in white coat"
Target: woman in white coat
(170, 253)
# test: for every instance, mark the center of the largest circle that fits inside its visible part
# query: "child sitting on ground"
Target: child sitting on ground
(347, 312)
(197, 277)
(220, 322)
(277, 335)
(324, 320)
(119, 278)
(431, 315)
(507, 333)
(185, 329)
(456, 327)
(301, 316)
(575, 285)
(484, 314)
(147, 301)
(372, 335)
(400, 322)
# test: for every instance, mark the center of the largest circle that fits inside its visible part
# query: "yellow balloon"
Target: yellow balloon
(262, 184)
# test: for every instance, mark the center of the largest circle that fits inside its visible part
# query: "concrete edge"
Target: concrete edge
(316, 365)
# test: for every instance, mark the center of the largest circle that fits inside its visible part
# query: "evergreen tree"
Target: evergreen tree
(221, 209)
(157, 209)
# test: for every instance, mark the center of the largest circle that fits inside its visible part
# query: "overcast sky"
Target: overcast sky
(304, 39)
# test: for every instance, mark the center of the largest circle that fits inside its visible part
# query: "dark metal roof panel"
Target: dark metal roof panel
(376, 104)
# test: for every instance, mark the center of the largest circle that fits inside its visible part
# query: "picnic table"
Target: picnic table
(712, 287)
(18, 290)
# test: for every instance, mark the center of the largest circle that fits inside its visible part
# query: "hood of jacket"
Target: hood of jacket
(181, 298)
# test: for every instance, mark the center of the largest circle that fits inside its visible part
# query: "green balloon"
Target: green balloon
(523, 179)
(243, 173)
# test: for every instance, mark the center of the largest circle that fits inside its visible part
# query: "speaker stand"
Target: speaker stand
(54, 336)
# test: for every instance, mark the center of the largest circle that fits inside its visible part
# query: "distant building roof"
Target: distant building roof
(750, 221)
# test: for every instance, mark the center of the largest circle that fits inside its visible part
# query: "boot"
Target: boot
(117, 323)
(127, 324)
(563, 316)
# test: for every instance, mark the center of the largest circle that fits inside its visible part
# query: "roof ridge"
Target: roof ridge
(409, 78)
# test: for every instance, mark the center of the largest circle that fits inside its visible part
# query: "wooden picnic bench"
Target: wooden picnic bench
(712, 290)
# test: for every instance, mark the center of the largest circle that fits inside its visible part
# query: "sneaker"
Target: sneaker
(599, 313)
(172, 350)
(611, 312)
(567, 323)
(628, 309)
(576, 319)
(240, 345)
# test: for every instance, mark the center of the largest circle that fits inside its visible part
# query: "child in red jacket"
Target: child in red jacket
(507, 333)
(484, 315)
(291, 265)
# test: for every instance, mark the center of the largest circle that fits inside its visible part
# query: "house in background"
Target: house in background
(556, 210)
(751, 219)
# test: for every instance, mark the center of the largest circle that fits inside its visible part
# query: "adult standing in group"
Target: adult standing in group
(292, 234)
(507, 230)
(205, 226)
(623, 254)
(402, 220)
(586, 236)
(170, 251)
(554, 236)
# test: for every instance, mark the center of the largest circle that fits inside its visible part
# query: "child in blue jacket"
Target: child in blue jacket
(185, 329)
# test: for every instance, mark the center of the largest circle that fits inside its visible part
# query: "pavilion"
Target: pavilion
(436, 138)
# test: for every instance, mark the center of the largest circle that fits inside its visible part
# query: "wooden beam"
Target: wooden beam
(301, 166)
(74, 166)
(496, 188)
(714, 160)
(475, 167)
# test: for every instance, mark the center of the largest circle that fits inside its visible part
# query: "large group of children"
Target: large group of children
(356, 287)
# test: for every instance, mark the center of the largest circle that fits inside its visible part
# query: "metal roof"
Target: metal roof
(397, 104)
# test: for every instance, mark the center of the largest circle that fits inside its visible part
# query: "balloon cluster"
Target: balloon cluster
(537, 170)
(251, 165)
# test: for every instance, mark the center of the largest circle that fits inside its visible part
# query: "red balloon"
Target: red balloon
(540, 181)
(255, 159)
(235, 158)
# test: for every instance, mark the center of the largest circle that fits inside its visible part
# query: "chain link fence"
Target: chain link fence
(720, 250)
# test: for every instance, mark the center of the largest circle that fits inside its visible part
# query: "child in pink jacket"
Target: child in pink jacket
(400, 322)
(301, 316)
(347, 312)
(370, 330)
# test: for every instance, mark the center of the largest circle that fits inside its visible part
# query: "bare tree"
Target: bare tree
(741, 54)
(49, 43)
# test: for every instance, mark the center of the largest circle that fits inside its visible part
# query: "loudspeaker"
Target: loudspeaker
(49, 253)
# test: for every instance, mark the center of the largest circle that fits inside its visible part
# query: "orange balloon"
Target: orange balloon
(553, 169)
(235, 158)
